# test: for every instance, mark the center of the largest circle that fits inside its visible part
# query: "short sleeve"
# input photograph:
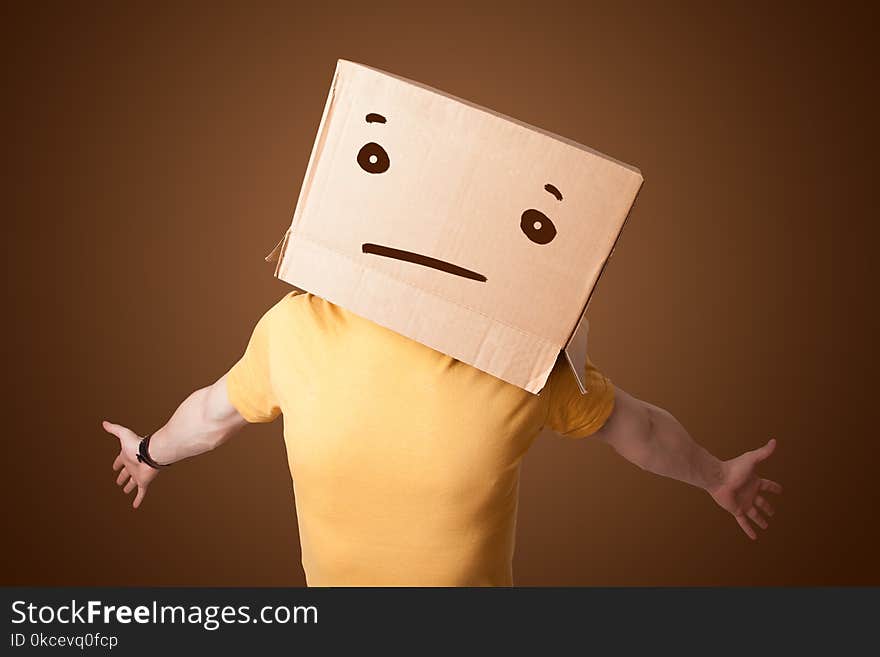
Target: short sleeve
(248, 383)
(570, 413)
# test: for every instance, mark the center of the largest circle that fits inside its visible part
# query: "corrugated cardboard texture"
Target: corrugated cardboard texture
(470, 232)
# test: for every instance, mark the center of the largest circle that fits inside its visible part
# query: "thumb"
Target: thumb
(762, 453)
(116, 429)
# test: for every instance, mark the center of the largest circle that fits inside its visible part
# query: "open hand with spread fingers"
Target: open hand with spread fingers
(132, 473)
(743, 493)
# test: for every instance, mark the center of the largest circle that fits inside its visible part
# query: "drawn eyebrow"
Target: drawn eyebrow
(372, 117)
(552, 189)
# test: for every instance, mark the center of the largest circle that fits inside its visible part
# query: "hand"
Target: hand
(136, 474)
(743, 493)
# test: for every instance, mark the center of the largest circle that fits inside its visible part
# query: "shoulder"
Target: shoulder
(288, 309)
(292, 302)
(298, 313)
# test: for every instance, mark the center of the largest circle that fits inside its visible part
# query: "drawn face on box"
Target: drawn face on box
(443, 200)
(535, 224)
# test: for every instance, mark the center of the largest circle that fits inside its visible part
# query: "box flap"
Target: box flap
(576, 349)
(576, 352)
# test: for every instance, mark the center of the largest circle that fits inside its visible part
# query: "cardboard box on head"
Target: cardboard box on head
(473, 233)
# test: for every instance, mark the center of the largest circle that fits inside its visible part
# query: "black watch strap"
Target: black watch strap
(144, 454)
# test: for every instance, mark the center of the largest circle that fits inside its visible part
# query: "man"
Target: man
(405, 461)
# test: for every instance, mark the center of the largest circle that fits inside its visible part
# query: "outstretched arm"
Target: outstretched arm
(654, 440)
(203, 421)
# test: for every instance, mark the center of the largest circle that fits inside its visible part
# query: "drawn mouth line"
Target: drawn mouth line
(419, 259)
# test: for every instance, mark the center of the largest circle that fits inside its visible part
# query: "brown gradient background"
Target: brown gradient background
(154, 157)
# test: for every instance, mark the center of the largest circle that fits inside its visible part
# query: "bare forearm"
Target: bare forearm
(654, 440)
(673, 453)
(203, 421)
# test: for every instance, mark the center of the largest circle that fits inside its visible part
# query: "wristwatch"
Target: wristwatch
(144, 454)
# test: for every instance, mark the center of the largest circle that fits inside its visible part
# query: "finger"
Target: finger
(130, 486)
(139, 497)
(764, 505)
(746, 527)
(123, 476)
(770, 486)
(757, 518)
(764, 452)
(118, 463)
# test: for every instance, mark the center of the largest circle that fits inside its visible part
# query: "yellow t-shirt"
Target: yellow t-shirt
(405, 461)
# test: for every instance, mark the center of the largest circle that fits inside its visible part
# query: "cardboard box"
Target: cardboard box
(463, 229)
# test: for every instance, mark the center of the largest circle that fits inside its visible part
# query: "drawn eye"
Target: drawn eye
(537, 226)
(373, 158)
